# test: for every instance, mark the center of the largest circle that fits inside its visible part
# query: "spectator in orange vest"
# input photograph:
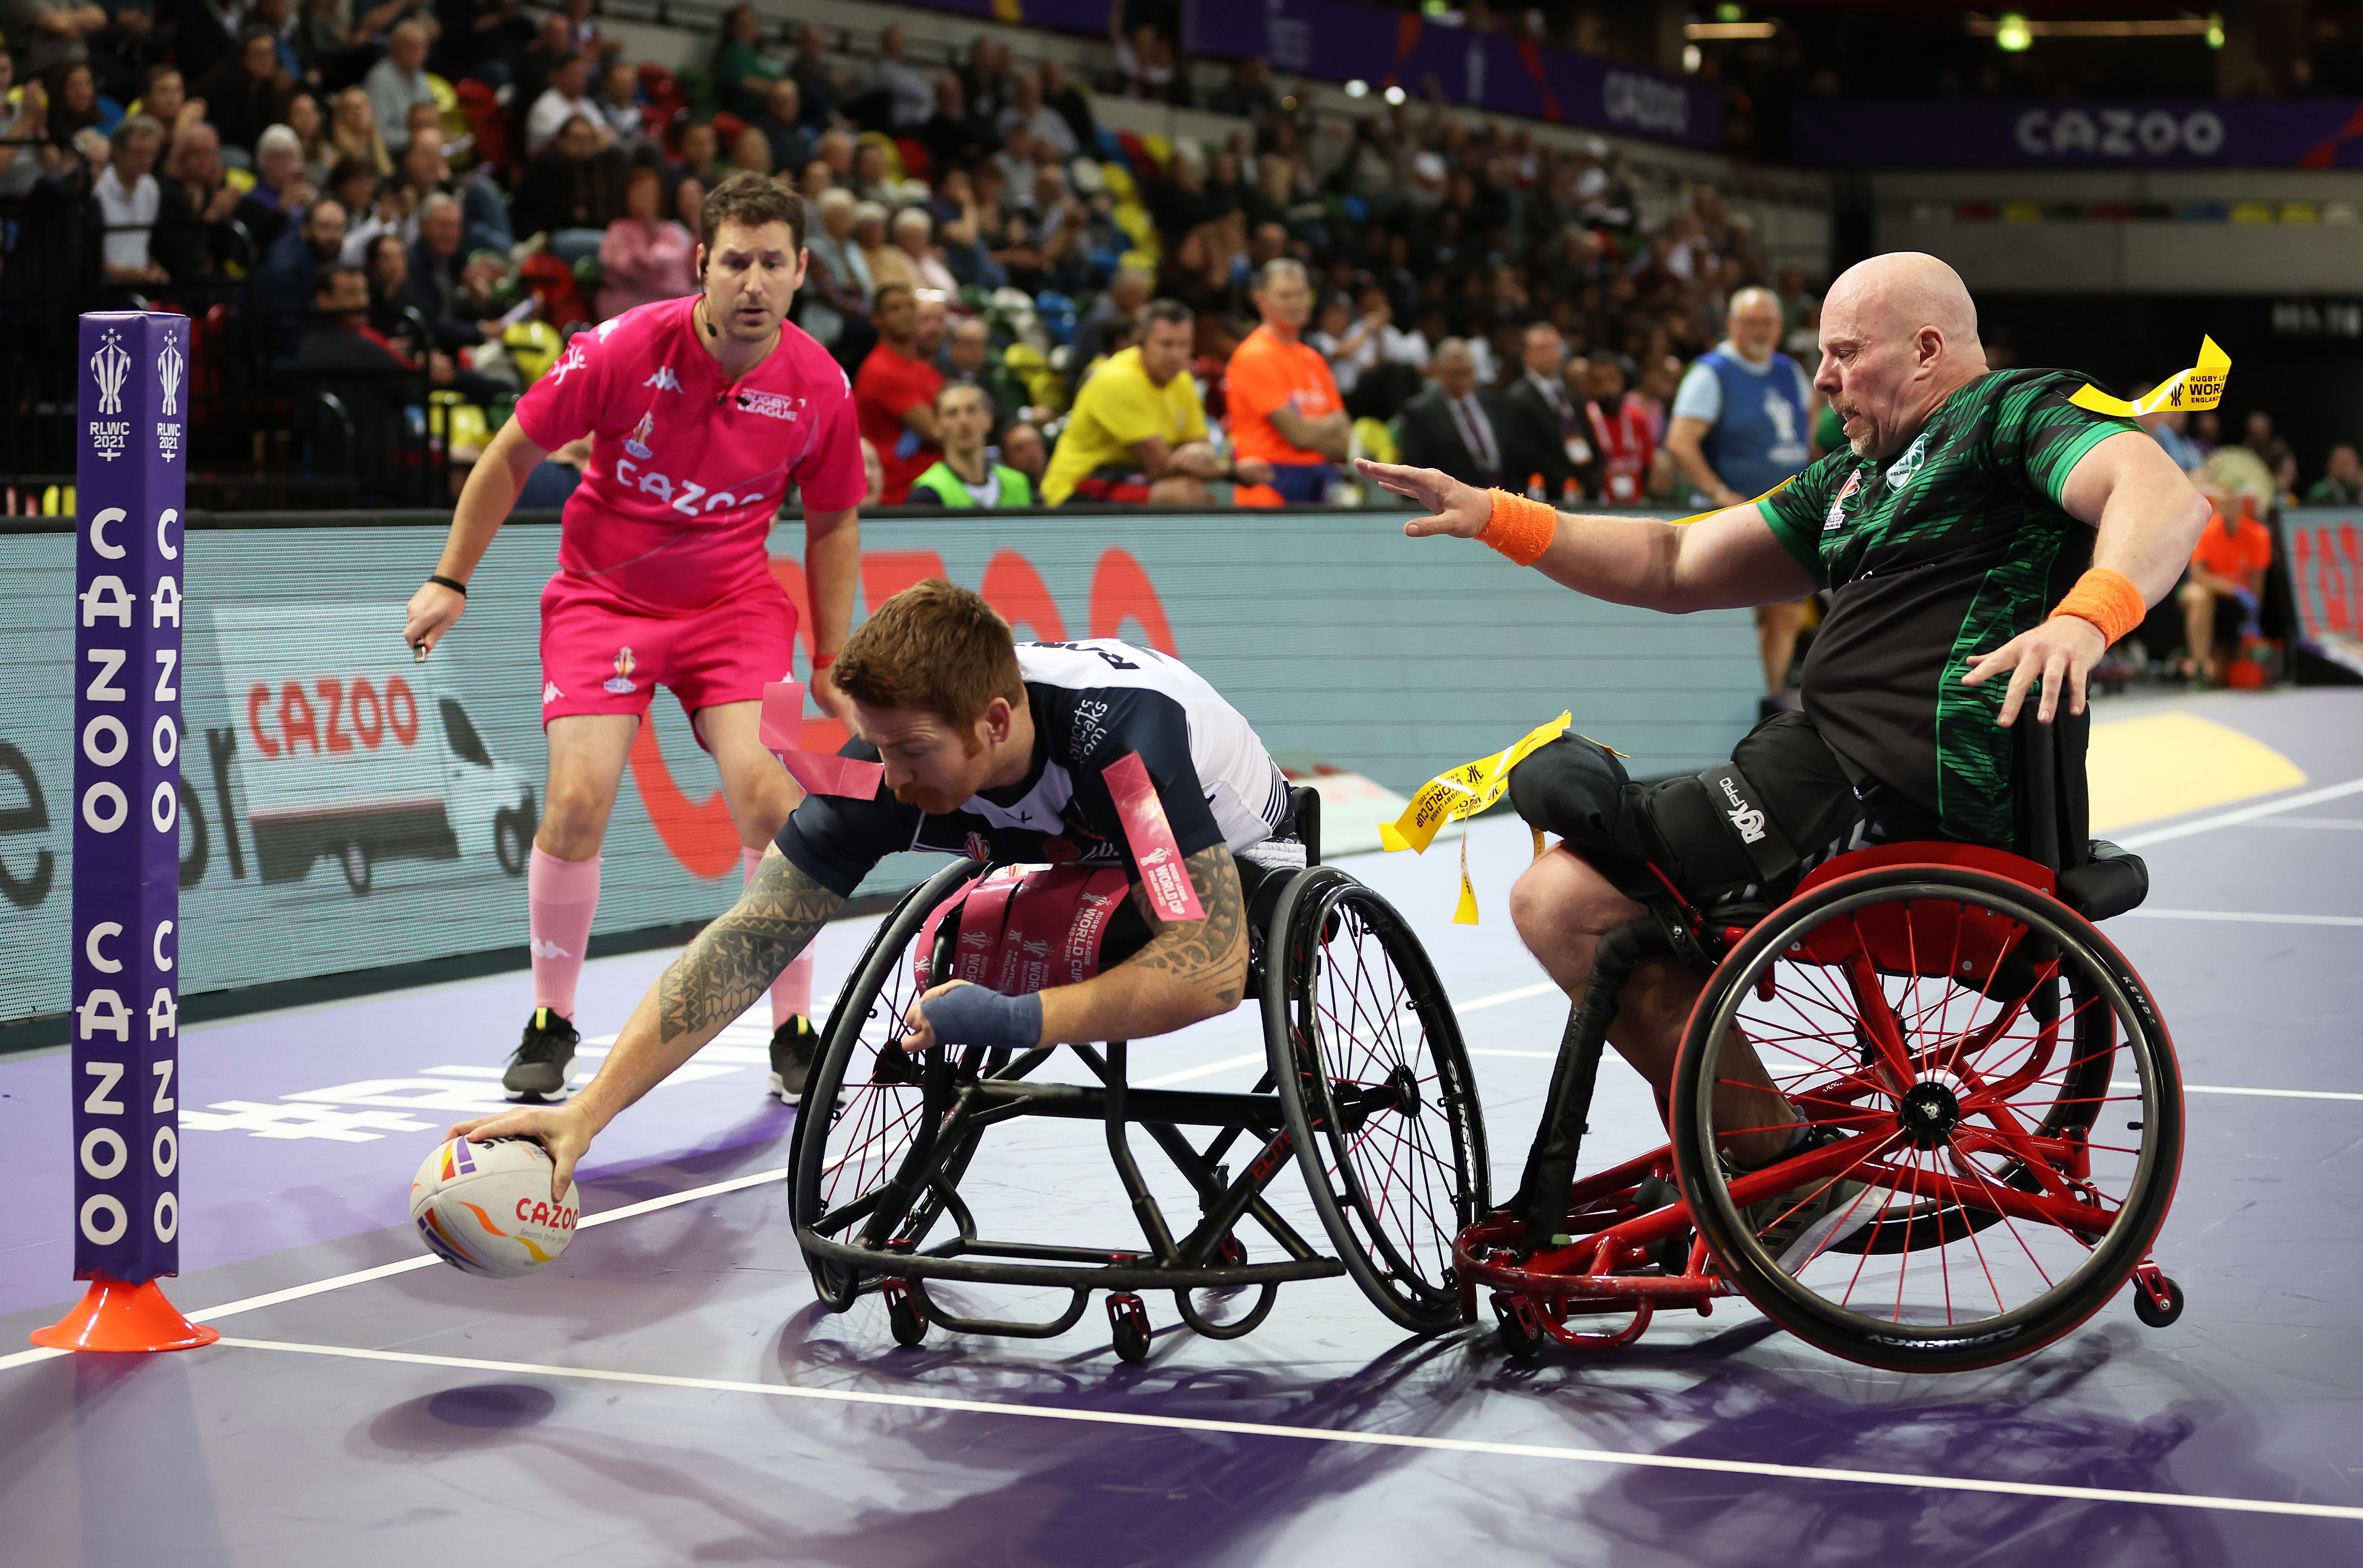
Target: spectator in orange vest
(2225, 585)
(1284, 406)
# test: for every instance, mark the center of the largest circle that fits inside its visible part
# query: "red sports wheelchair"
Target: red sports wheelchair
(1988, 1114)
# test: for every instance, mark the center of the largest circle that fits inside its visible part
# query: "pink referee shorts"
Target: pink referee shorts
(599, 656)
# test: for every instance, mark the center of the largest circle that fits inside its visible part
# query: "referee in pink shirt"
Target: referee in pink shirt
(702, 413)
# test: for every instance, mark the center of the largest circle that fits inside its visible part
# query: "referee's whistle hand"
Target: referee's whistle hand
(432, 611)
(2060, 653)
(1461, 510)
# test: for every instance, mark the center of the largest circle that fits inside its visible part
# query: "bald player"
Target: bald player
(1978, 533)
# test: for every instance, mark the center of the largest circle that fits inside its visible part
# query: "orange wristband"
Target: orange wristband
(1520, 528)
(2108, 600)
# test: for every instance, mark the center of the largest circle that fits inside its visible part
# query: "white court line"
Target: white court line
(1331, 1435)
(2352, 824)
(425, 1260)
(2257, 1093)
(650, 1206)
(1207, 1070)
(1498, 998)
(2242, 917)
(2245, 814)
(385, 1271)
(1518, 994)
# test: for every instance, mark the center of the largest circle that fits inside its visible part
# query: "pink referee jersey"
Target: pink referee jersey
(687, 467)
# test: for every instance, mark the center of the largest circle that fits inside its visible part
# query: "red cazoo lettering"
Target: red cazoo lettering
(556, 1216)
(298, 722)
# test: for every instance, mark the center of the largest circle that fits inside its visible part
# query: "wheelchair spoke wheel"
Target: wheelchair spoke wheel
(842, 1172)
(1981, 1109)
(1376, 1086)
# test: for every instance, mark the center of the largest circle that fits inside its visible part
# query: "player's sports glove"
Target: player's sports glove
(973, 1015)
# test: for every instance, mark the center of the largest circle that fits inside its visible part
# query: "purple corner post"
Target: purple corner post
(133, 371)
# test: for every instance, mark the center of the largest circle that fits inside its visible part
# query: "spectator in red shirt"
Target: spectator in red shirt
(2225, 585)
(894, 395)
(1622, 446)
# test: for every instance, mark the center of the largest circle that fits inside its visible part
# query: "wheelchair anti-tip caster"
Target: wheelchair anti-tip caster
(1128, 1325)
(2157, 1300)
(902, 1314)
(1519, 1337)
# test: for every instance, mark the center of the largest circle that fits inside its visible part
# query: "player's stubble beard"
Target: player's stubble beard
(928, 800)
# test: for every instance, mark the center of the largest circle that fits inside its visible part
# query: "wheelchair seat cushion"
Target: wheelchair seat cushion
(2110, 883)
(1022, 929)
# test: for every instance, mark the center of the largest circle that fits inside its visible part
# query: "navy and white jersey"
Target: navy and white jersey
(1092, 702)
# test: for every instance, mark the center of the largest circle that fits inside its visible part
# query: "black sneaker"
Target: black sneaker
(795, 1046)
(1799, 1225)
(537, 1072)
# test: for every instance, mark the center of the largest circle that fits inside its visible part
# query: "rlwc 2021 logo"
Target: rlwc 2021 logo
(110, 368)
(169, 364)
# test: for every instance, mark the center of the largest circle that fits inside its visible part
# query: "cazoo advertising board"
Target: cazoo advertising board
(342, 808)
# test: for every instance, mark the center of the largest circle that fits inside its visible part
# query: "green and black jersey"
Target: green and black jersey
(1949, 550)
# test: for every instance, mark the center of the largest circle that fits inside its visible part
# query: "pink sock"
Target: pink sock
(560, 896)
(792, 993)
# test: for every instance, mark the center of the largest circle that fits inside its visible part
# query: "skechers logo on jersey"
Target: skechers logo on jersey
(770, 405)
(663, 379)
(1745, 817)
(1090, 725)
(1835, 518)
(681, 496)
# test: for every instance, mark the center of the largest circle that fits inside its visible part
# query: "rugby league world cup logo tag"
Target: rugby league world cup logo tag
(110, 367)
(169, 365)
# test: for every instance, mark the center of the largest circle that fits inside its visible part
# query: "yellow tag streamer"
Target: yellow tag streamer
(1466, 913)
(1703, 516)
(2202, 386)
(1462, 792)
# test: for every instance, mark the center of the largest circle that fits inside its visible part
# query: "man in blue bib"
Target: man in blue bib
(1742, 423)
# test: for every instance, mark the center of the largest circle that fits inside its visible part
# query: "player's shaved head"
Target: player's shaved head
(1896, 294)
(1899, 336)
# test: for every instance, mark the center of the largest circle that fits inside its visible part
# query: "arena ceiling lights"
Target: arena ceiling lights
(2012, 30)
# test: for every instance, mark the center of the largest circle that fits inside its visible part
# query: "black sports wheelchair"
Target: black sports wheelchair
(1366, 1090)
(1984, 1108)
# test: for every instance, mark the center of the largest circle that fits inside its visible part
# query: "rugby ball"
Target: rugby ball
(484, 1208)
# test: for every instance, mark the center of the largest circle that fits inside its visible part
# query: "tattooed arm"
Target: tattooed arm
(719, 976)
(1190, 969)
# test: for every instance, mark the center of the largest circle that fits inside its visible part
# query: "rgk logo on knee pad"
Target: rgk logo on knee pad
(1744, 818)
(1761, 838)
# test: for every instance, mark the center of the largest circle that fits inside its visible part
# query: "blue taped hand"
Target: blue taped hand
(971, 1015)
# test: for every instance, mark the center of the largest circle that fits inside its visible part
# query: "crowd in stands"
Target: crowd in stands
(437, 189)
(2217, 628)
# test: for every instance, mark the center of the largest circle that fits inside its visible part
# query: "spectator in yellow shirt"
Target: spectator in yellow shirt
(1137, 436)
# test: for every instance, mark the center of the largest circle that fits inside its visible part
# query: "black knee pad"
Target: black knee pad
(1579, 790)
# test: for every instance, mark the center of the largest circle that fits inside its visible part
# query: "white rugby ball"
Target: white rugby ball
(484, 1208)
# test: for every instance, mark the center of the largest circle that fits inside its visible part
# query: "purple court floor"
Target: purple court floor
(669, 1393)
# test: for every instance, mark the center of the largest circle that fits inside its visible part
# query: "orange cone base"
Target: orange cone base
(113, 1315)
